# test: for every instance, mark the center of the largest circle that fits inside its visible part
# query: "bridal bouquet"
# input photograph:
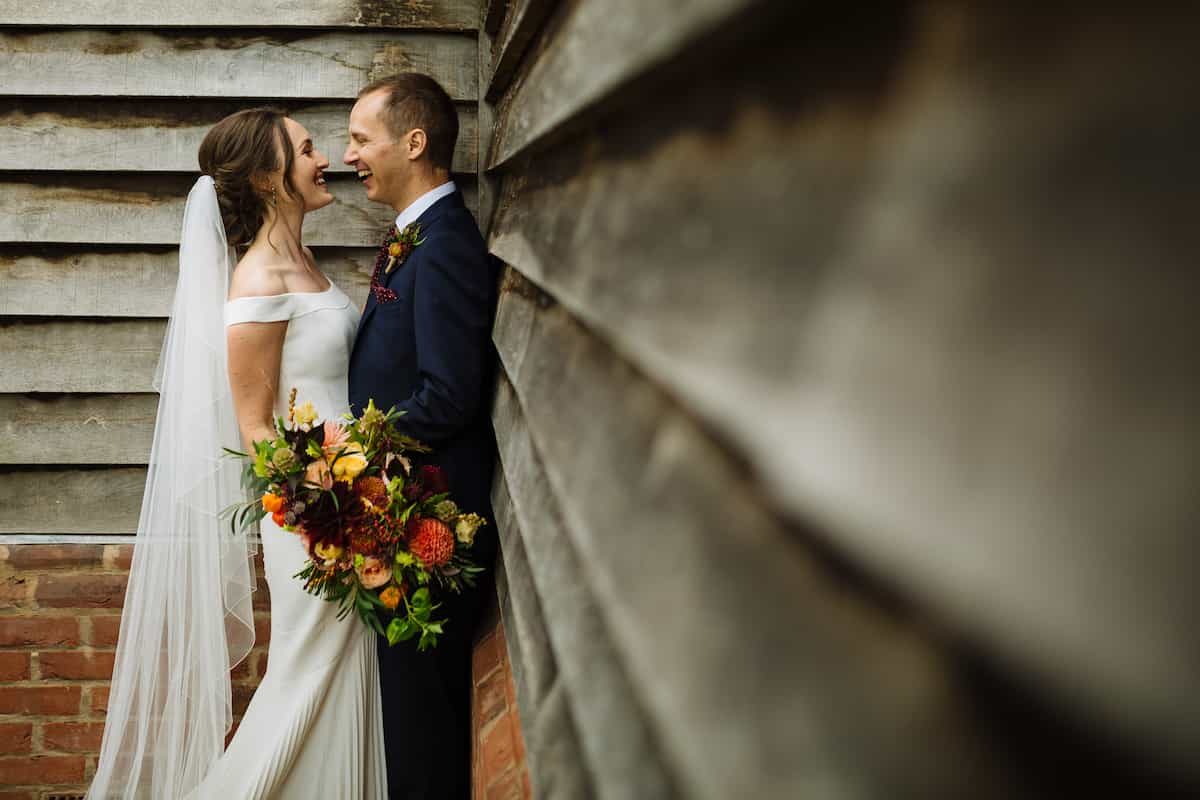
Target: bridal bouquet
(384, 539)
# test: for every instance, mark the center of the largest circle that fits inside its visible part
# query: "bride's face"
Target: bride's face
(308, 168)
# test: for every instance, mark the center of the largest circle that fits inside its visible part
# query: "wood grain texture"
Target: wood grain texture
(77, 429)
(598, 47)
(280, 65)
(80, 355)
(76, 281)
(521, 23)
(619, 747)
(722, 619)
(71, 501)
(458, 15)
(492, 14)
(125, 210)
(525, 626)
(921, 301)
(163, 136)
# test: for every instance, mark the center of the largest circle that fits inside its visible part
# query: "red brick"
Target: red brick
(119, 556)
(485, 658)
(72, 737)
(510, 688)
(14, 666)
(241, 698)
(81, 591)
(17, 795)
(498, 753)
(41, 770)
(39, 699)
(99, 695)
(490, 694)
(77, 665)
(507, 788)
(52, 556)
(105, 630)
(16, 737)
(38, 631)
(518, 737)
(15, 591)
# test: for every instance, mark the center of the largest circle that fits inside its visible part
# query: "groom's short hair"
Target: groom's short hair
(418, 101)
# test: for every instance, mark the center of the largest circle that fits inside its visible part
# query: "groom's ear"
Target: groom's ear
(415, 143)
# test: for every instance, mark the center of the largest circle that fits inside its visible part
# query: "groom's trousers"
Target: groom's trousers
(427, 701)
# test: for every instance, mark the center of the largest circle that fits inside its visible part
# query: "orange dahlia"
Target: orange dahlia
(430, 540)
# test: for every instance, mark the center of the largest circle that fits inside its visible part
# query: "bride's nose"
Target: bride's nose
(322, 161)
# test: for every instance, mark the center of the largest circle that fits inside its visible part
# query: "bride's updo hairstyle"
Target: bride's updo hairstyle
(243, 148)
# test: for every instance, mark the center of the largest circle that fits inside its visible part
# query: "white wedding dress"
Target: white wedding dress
(314, 728)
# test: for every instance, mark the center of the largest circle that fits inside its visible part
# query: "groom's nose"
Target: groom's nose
(350, 156)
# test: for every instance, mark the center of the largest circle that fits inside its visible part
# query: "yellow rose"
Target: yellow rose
(395, 249)
(328, 551)
(351, 463)
(306, 415)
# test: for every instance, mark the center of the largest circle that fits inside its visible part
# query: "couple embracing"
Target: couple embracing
(339, 713)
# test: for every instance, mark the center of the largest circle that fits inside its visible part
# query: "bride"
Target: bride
(235, 347)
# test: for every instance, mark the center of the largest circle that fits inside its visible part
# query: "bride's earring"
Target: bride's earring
(272, 194)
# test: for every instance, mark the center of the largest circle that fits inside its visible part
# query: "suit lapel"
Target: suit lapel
(427, 221)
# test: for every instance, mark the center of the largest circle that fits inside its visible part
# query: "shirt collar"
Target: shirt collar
(422, 204)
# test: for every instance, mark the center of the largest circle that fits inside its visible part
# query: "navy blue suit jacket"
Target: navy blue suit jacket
(429, 353)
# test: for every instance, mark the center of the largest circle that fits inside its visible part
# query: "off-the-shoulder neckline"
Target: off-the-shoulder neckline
(284, 294)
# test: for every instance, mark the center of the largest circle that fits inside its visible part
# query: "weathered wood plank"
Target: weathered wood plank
(74, 501)
(556, 766)
(457, 15)
(922, 345)
(302, 65)
(72, 281)
(522, 21)
(125, 210)
(772, 645)
(493, 12)
(618, 745)
(599, 46)
(80, 355)
(100, 429)
(135, 136)
(525, 627)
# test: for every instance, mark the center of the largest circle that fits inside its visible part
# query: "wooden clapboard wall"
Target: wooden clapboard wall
(102, 108)
(847, 415)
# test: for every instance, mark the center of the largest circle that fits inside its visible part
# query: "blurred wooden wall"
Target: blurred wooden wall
(102, 108)
(848, 409)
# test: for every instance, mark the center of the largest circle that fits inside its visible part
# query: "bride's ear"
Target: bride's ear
(415, 143)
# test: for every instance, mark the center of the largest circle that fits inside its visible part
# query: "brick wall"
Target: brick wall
(499, 769)
(59, 617)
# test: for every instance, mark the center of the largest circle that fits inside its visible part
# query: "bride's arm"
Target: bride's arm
(255, 350)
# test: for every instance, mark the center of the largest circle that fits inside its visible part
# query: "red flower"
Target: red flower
(434, 479)
(430, 540)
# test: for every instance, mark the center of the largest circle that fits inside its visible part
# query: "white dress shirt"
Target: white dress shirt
(422, 204)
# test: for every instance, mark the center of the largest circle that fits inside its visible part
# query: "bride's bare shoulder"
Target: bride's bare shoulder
(255, 276)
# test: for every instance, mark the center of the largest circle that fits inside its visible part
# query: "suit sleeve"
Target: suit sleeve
(452, 318)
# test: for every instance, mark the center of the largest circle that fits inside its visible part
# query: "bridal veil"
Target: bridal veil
(187, 619)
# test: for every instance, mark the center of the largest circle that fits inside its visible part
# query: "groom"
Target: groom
(424, 346)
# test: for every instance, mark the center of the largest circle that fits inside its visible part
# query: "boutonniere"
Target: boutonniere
(400, 244)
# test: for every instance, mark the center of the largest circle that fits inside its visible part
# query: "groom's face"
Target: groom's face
(382, 164)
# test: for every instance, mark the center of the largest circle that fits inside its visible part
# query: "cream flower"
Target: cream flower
(305, 415)
(373, 573)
